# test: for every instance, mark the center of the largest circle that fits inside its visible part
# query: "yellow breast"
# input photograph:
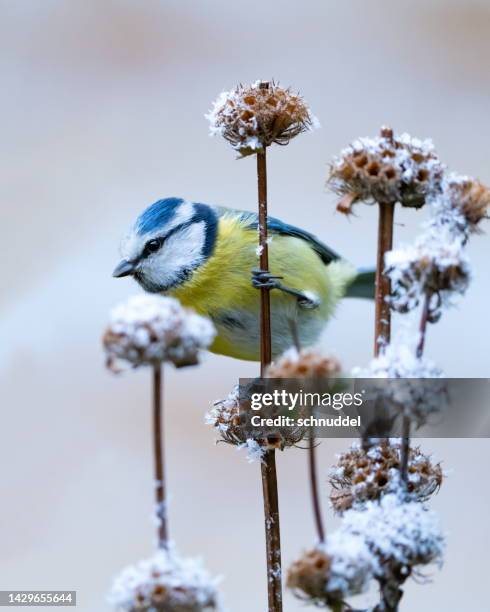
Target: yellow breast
(221, 289)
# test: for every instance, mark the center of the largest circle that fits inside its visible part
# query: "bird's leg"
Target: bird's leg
(262, 279)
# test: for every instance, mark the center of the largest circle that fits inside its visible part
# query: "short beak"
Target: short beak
(123, 268)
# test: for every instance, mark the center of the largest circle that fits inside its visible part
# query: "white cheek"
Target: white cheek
(181, 251)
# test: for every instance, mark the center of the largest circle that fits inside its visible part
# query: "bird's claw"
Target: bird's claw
(263, 279)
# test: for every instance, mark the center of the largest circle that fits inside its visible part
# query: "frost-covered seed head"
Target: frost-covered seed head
(230, 422)
(339, 568)
(362, 475)
(149, 329)
(436, 266)
(401, 535)
(388, 169)
(307, 363)
(308, 576)
(255, 116)
(165, 583)
(470, 197)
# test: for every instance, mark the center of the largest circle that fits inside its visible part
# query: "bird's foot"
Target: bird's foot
(263, 279)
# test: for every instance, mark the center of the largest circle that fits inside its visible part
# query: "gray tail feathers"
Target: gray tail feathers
(363, 284)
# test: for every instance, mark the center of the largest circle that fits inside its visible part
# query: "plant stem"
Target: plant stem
(317, 512)
(382, 326)
(272, 531)
(158, 449)
(405, 448)
(265, 307)
(268, 465)
(424, 319)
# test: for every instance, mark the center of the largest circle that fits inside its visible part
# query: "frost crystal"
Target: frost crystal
(255, 116)
(165, 583)
(388, 168)
(149, 329)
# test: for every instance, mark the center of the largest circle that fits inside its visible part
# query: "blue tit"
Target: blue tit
(204, 256)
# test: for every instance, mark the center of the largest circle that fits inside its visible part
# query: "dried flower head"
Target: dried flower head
(255, 116)
(362, 475)
(337, 569)
(233, 426)
(470, 197)
(388, 169)
(436, 266)
(400, 535)
(165, 583)
(306, 363)
(149, 329)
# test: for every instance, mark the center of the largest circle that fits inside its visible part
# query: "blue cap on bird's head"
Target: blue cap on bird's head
(168, 241)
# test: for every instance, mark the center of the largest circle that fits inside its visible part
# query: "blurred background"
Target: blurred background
(103, 113)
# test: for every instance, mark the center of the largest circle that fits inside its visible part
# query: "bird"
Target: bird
(207, 257)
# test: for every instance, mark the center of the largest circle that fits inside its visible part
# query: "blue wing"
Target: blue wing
(276, 226)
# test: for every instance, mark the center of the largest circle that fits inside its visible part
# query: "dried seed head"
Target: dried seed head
(337, 569)
(232, 423)
(255, 116)
(149, 329)
(165, 583)
(362, 475)
(306, 363)
(308, 576)
(436, 265)
(386, 169)
(470, 197)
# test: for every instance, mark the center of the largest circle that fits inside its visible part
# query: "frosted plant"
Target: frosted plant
(165, 583)
(462, 205)
(255, 116)
(400, 534)
(435, 266)
(252, 118)
(388, 168)
(149, 329)
(365, 474)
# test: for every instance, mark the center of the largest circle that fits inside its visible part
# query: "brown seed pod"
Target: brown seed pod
(232, 422)
(470, 197)
(255, 116)
(332, 571)
(386, 169)
(308, 576)
(362, 475)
